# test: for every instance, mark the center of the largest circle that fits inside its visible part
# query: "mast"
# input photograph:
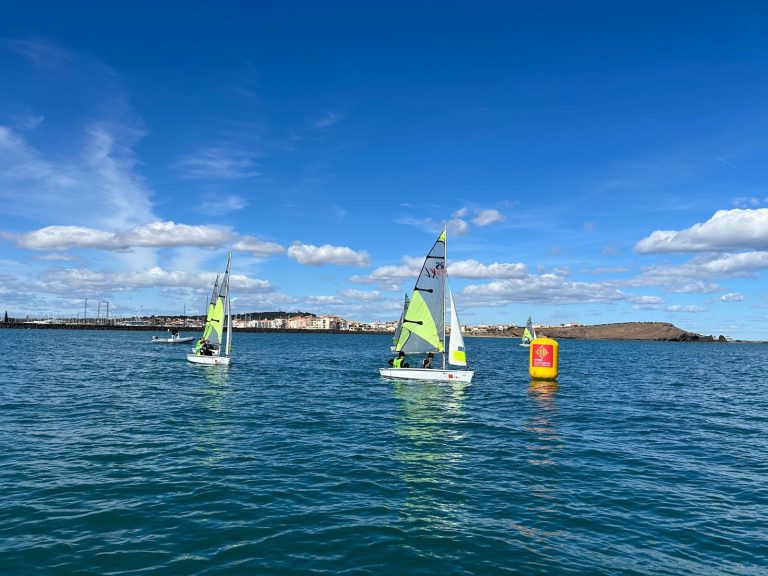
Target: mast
(445, 275)
(229, 309)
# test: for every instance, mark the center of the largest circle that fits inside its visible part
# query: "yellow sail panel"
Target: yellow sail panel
(457, 358)
(527, 334)
(418, 320)
(208, 328)
(217, 321)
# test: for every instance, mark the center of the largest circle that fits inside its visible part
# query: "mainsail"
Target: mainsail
(209, 332)
(423, 322)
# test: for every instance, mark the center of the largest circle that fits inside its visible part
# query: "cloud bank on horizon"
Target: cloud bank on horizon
(130, 187)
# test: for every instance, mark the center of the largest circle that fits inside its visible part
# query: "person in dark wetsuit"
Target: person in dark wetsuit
(427, 362)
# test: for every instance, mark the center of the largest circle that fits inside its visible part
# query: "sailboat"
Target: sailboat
(218, 320)
(422, 329)
(529, 334)
(399, 327)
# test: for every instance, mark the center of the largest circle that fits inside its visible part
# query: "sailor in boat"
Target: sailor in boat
(427, 362)
(202, 347)
(399, 361)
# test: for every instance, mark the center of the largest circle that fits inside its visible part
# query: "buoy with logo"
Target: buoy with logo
(543, 359)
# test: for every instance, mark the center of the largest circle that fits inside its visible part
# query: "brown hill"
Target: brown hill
(621, 331)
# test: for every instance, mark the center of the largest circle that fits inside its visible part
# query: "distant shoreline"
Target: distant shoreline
(648, 331)
(191, 329)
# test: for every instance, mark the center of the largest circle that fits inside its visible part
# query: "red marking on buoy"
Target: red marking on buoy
(542, 355)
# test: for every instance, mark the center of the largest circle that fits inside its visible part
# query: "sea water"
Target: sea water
(120, 457)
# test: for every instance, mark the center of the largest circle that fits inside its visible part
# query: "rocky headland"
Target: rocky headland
(658, 331)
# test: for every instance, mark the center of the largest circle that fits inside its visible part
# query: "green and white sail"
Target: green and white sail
(399, 327)
(209, 331)
(529, 334)
(423, 322)
(217, 310)
(456, 354)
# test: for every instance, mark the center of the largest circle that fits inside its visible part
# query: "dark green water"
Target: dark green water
(119, 457)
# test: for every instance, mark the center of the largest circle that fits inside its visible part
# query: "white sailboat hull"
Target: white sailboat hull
(434, 374)
(209, 360)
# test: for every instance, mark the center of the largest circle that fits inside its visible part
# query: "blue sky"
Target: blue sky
(594, 162)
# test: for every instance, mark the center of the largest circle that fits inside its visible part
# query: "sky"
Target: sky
(594, 162)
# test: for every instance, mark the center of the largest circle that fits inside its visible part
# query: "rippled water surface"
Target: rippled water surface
(119, 457)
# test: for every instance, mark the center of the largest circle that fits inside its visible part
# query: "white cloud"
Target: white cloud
(93, 183)
(166, 234)
(389, 277)
(362, 295)
(699, 274)
(457, 227)
(220, 205)
(646, 302)
(745, 201)
(64, 238)
(56, 256)
(327, 254)
(743, 264)
(476, 270)
(460, 213)
(257, 246)
(154, 235)
(731, 297)
(218, 163)
(548, 288)
(40, 53)
(487, 217)
(79, 280)
(727, 230)
(687, 309)
(609, 270)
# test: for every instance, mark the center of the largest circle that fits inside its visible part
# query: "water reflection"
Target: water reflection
(214, 425)
(429, 424)
(541, 423)
(217, 378)
(544, 445)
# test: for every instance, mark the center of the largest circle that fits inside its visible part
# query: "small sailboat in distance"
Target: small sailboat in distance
(529, 334)
(212, 348)
(422, 329)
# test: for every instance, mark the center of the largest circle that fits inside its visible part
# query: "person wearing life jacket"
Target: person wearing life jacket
(198, 346)
(427, 362)
(398, 362)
